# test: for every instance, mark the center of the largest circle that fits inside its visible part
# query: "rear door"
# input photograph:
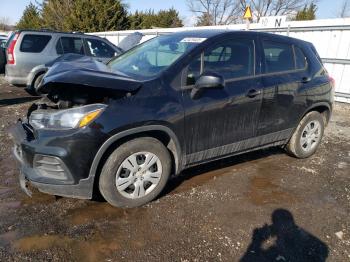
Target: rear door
(219, 120)
(283, 74)
(32, 50)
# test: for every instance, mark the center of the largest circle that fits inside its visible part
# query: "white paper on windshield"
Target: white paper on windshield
(193, 40)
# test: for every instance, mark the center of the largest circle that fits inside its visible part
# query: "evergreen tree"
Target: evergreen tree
(307, 13)
(30, 19)
(150, 19)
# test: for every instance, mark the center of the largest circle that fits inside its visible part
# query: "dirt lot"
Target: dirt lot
(217, 212)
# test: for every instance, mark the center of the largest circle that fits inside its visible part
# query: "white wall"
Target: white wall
(331, 38)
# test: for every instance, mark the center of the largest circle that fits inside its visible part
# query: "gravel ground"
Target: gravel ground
(261, 206)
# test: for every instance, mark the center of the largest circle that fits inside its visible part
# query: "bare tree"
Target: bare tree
(344, 9)
(262, 8)
(215, 12)
(4, 23)
(223, 12)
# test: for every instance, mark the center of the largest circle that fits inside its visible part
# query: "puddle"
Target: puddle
(97, 211)
(188, 182)
(264, 189)
(38, 243)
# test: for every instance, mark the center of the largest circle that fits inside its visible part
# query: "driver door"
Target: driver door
(222, 120)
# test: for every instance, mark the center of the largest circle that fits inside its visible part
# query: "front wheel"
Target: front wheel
(135, 173)
(307, 136)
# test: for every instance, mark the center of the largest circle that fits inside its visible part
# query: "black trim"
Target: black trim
(254, 143)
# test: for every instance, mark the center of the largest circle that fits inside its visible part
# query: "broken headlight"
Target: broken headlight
(65, 119)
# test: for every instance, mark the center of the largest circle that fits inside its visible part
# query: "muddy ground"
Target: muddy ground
(217, 212)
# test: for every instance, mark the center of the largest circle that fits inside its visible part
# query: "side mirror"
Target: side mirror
(207, 80)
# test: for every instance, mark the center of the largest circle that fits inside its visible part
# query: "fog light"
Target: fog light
(50, 167)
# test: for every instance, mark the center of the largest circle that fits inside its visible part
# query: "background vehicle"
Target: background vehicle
(3, 40)
(173, 102)
(29, 51)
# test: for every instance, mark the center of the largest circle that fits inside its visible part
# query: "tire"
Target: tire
(2, 60)
(37, 82)
(307, 136)
(121, 167)
(32, 90)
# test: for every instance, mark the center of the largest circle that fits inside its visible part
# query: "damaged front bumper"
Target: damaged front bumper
(43, 168)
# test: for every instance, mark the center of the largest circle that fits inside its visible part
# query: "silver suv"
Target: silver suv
(29, 51)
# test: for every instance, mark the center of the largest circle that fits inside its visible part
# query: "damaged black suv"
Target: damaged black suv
(173, 102)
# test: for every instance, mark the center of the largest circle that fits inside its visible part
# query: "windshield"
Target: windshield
(154, 56)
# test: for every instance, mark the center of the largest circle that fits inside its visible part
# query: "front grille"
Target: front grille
(50, 167)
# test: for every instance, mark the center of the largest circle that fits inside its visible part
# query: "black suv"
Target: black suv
(173, 102)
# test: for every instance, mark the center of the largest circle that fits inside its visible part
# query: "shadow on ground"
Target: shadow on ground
(283, 240)
(17, 100)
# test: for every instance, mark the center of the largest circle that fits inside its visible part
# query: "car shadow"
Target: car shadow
(189, 173)
(283, 240)
(17, 100)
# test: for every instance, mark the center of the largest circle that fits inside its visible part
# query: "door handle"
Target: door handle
(253, 93)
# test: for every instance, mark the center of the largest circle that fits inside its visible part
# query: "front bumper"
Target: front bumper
(60, 182)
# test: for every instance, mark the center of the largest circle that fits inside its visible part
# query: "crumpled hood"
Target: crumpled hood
(84, 72)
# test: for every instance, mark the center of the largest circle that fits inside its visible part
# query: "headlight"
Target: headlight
(66, 119)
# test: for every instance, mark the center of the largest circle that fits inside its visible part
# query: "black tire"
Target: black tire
(2, 60)
(294, 147)
(37, 82)
(32, 90)
(107, 180)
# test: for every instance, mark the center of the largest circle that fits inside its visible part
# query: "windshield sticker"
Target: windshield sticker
(193, 40)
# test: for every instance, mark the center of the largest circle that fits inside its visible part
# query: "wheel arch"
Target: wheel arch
(325, 109)
(164, 134)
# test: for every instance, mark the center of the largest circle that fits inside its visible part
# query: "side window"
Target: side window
(67, 45)
(34, 43)
(99, 48)
(232, 58)
(300, 59)
(278, 57)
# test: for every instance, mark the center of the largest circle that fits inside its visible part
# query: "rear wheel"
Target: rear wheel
(135, 173)
(307, 136)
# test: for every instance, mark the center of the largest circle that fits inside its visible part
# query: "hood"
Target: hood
(130, 41)
(85, 74)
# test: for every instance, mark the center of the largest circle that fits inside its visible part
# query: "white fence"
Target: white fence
(331, 38)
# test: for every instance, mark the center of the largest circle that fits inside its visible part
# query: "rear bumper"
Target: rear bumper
(14, 76)
(49, 184)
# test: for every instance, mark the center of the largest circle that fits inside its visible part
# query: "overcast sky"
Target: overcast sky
(13, 8)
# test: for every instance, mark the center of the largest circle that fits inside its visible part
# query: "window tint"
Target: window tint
(34, 43)
(300, 59)
(99, 48)
(70, 45)
(278, 57)
(230, 58)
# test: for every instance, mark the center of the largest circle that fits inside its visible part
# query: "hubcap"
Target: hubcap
(138, 175)
(310, 136)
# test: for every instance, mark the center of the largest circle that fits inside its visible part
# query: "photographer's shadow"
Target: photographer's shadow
(291, 243)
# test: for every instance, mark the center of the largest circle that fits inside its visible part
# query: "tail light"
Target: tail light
(11, 50)
(332, 81)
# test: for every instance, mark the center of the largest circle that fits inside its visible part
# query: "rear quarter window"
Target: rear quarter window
(300, 58)
(34, 43)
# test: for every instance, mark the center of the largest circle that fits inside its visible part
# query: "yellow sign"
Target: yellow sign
(248, 13)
